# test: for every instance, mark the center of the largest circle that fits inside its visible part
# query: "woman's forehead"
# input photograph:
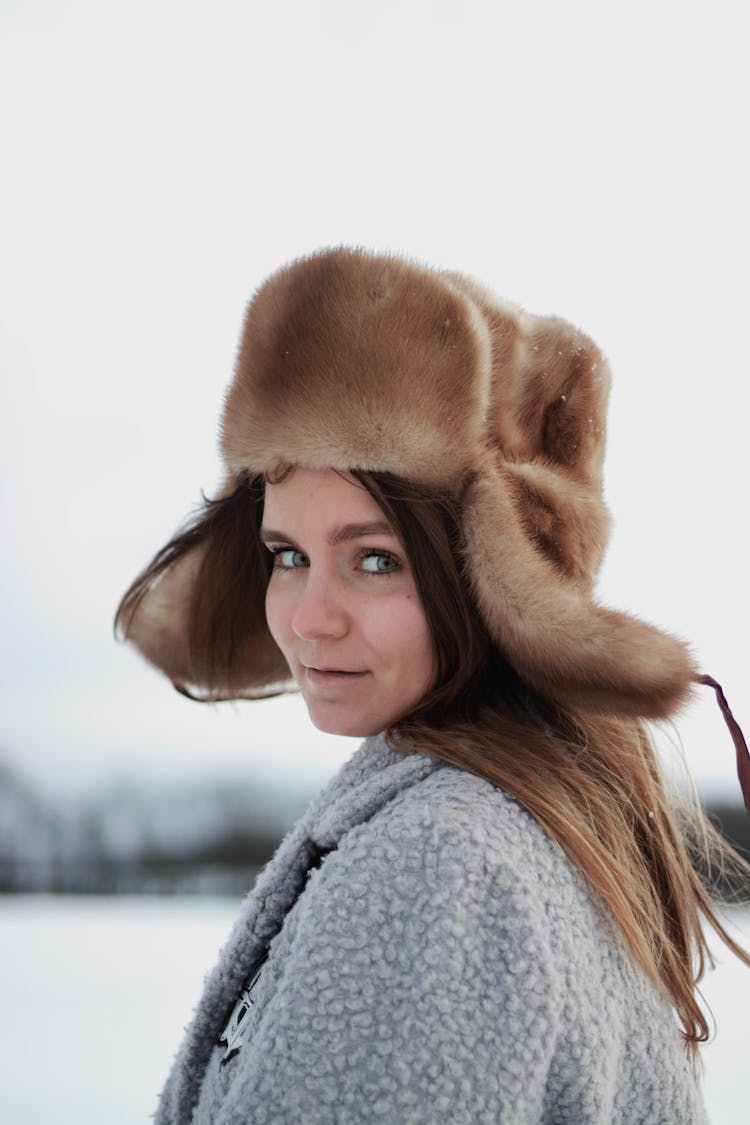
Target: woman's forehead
(327, 500)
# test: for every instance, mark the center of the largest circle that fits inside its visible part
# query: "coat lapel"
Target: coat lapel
(371, 778)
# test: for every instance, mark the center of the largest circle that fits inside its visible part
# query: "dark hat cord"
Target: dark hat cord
(738, 738)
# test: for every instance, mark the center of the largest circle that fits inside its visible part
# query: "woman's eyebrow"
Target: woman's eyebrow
(359, 530)
(338, 535)
(268, 535)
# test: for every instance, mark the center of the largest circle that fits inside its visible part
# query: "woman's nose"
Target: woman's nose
(320, 611)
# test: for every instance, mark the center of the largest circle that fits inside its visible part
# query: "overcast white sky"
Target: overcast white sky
(159, 159)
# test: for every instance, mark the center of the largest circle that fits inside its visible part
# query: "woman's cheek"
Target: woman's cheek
(278, 612)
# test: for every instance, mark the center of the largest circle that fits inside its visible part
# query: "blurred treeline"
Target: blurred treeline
(128, 838)
(191, 837)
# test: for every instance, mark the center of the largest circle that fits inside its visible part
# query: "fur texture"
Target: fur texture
(475, 980)
(352, 360)
(160, 630)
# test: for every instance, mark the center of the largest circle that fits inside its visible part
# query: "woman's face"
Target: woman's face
(342, 604)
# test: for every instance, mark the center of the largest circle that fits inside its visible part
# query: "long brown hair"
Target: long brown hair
(591, 781)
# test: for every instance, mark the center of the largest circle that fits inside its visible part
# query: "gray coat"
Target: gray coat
(443, 963)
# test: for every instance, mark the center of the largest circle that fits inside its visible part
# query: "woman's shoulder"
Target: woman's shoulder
(444, 834)
(457, 812)
(454, 839)
(416, 826)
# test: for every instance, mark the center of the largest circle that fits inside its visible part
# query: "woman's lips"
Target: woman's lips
(323, 676)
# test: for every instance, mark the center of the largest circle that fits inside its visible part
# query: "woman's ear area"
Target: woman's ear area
(557, 637)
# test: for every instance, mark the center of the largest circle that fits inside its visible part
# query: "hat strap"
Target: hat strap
(738, 738)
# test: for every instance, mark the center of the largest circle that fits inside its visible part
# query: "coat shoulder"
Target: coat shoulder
(456, 817)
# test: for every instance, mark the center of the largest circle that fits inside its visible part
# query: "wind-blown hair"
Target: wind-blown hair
(591, 781)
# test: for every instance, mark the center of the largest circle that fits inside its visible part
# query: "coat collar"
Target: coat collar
(372, 777)
(368, 781)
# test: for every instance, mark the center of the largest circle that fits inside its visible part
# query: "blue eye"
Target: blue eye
(379, 562)
(287, 558)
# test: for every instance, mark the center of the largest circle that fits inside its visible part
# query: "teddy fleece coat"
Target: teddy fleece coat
(443, 962)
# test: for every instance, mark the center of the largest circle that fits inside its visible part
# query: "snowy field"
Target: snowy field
(95, 992)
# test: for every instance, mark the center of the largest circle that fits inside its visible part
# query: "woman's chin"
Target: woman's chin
(349, 726)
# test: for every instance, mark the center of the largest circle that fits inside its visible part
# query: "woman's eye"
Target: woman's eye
(287, 558)
(378, 562)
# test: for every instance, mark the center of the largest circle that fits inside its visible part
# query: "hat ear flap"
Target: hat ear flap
(198, 611)
(157, 621)
(564, 645)
(566, 521)
(549, 388)
(553, 410)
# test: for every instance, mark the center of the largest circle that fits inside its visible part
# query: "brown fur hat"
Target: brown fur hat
(353, 360)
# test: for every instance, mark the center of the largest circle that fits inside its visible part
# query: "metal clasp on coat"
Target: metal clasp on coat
(233, 1034)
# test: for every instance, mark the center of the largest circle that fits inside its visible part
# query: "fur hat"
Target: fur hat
(352, 360)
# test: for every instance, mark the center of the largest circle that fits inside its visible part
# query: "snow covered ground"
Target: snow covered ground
(94, 993)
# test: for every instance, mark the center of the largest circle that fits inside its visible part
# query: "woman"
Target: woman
(490, 914)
